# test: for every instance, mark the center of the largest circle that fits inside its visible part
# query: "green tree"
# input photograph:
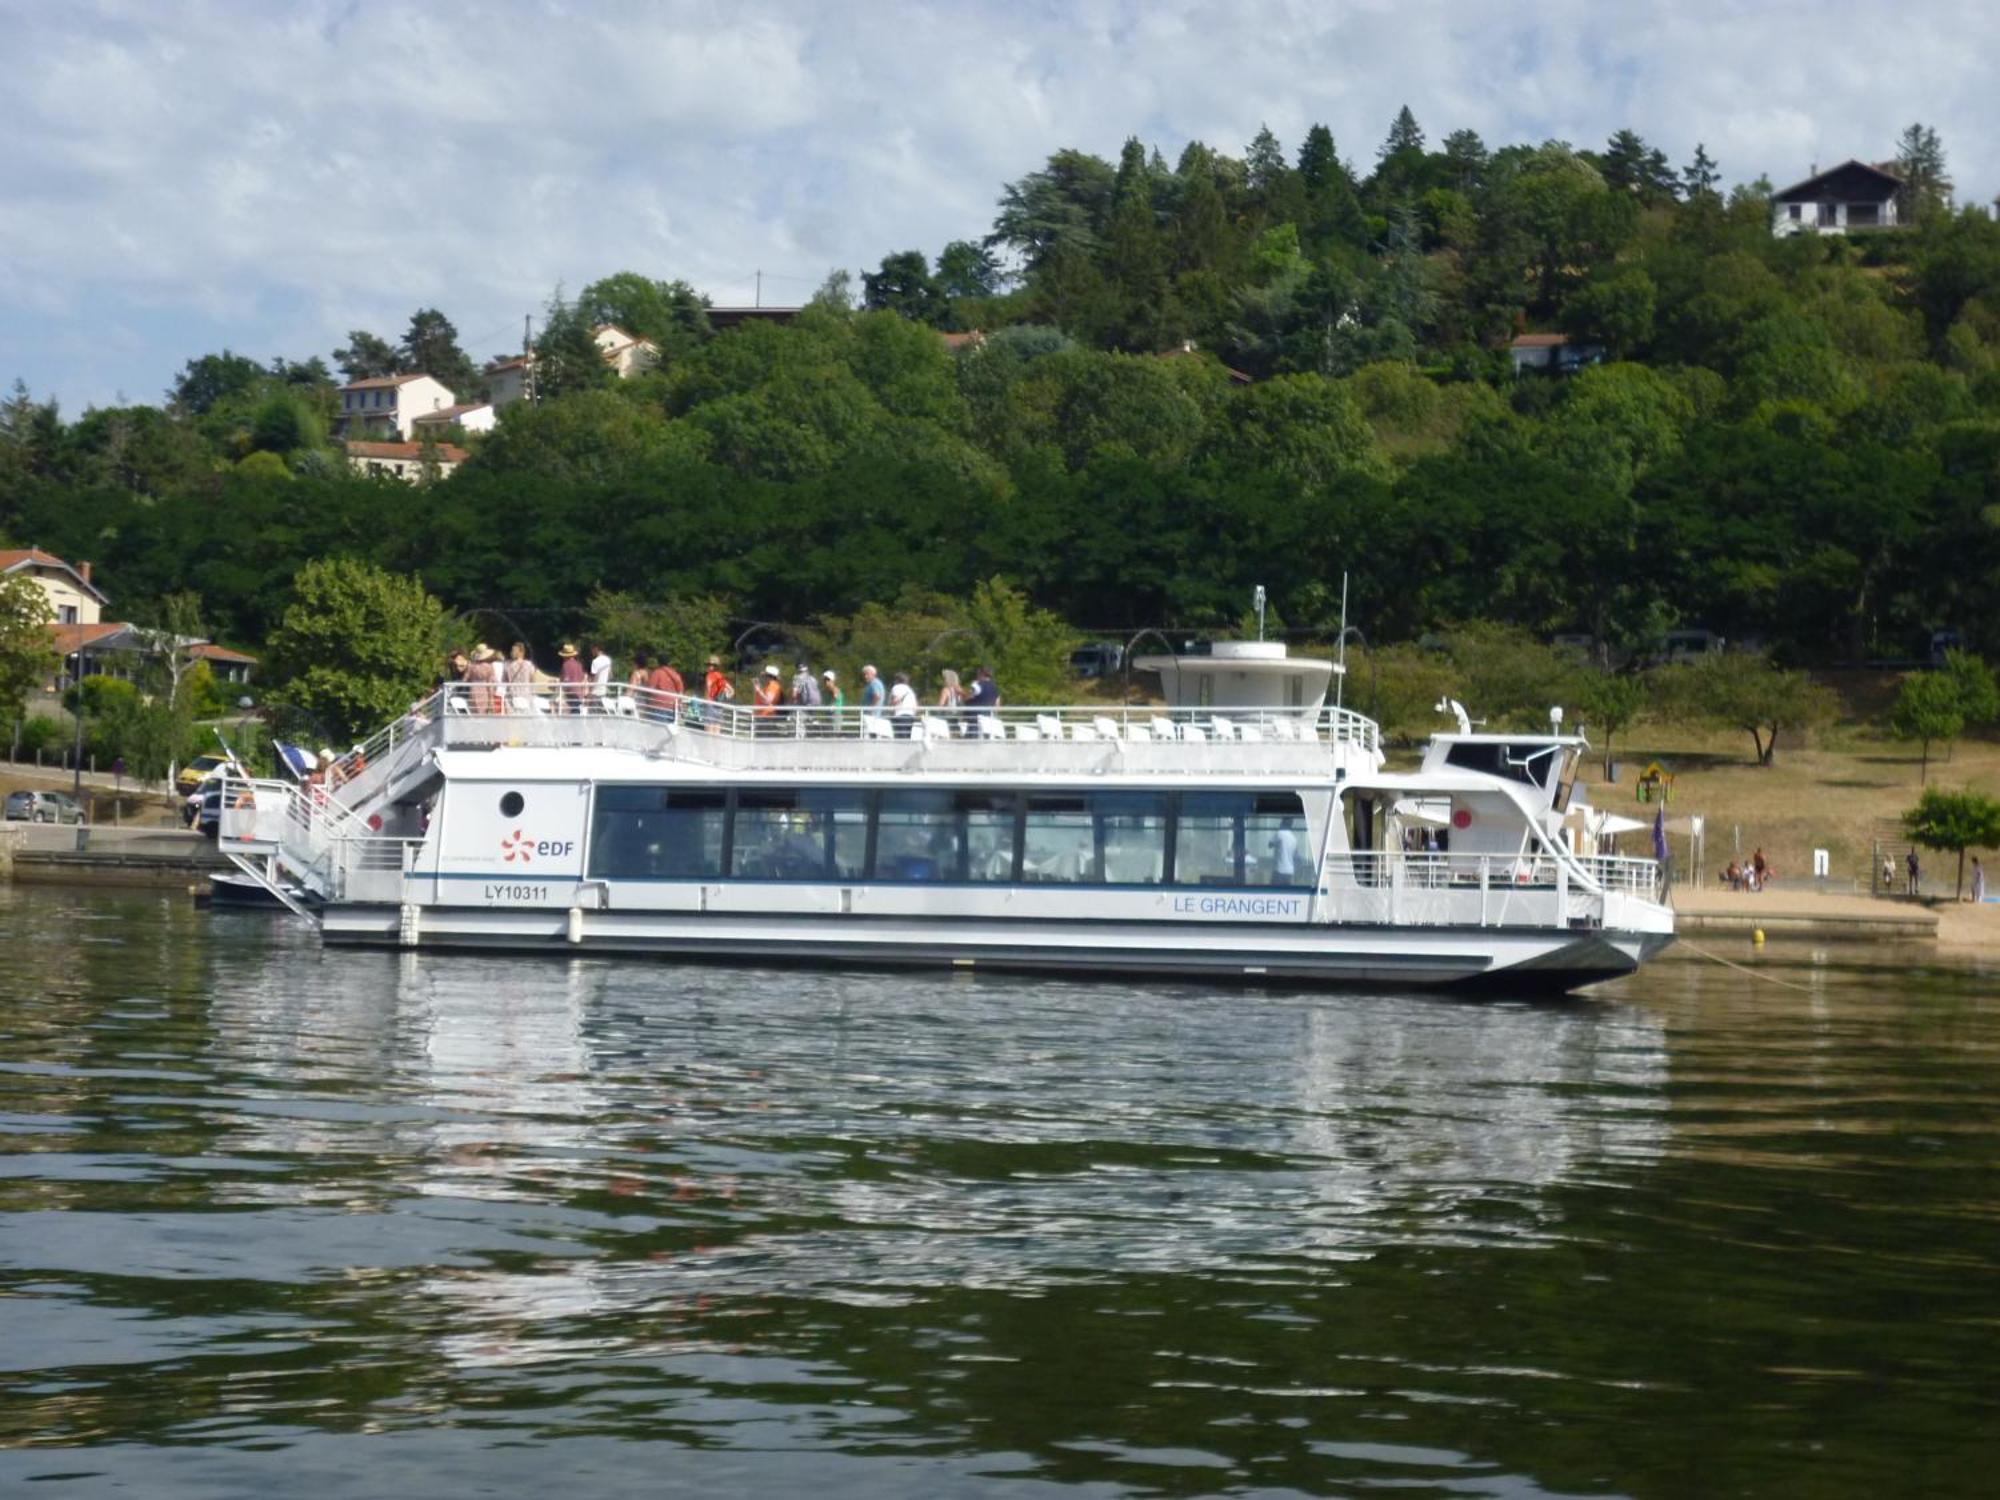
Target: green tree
(670, 313)
(368, 356)
(27, 655)
(430, 347)
(212, 378)
(1699, 178)
(966, 268)
(1954, 822)
(1927, 709)
(356, 646)
(1027, 648)
(567, 358)
(902, 285)
(684, 631)
(1926, 188)
(1978, 693)
(1745, 690)
(284, 424)
(1610, 702)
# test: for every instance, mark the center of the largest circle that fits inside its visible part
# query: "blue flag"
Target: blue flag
(298, 760)
(1660, 835)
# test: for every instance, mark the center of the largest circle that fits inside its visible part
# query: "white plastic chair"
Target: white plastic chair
(1250, 734)
(1138, 734)
(1106, 727)
(1284, 729)
(1049, 726)
(457, 705)
(991, 728)
(1027, 732)
(936, 729)
(1224, 729)
(874, 728)
(1082, 732)
(1194, 734)
(1165, 729)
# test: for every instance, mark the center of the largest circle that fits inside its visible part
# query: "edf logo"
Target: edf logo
(518, 846)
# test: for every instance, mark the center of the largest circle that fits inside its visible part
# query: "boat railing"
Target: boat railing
(1416, 870)
(573, 714)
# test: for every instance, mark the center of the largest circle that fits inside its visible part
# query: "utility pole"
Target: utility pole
(758, 299)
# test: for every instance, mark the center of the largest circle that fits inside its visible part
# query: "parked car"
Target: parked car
(43, 807)
(198, 770)
(1097, 659)
(208, 813)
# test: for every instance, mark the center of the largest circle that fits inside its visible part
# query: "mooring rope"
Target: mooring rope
(1730, 963)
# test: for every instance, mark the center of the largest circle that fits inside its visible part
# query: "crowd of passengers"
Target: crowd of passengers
(492, 684)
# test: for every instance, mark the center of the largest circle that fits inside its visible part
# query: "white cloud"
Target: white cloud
(270, 176)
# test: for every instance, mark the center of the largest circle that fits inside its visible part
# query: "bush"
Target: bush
(40, 732)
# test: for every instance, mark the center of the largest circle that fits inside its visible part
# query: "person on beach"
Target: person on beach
(1978, 882)
(1916, 872)
(1760, 871)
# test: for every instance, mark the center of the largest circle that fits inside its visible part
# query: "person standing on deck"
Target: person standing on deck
(830, 694)
(872, 694)
(903, 706)
(1285, 854)
(716, 688)
(600, 679)
(770, 695)
(573, 679)
(985, 692)
(520, 675)
(668, 690)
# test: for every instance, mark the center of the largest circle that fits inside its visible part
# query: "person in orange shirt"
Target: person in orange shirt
(770, 695)
(716, 689)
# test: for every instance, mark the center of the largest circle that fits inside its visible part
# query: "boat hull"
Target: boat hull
(1514, 961)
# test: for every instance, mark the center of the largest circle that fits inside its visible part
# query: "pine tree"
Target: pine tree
(1466, 158)
(1332, 212)
(1404, 135)
(1926, 188)
(1699, 178)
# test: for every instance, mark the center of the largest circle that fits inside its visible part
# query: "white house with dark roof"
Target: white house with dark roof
(390, 403)
(1852, 196)
(626, 353)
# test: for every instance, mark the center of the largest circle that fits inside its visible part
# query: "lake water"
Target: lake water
(280, 1220)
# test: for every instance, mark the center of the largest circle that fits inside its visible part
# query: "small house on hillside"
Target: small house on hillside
(469, 416)
(73, 598)
(626, 353)
(1853, 195)
(390, 404)
(405, 460)
(1557, 353)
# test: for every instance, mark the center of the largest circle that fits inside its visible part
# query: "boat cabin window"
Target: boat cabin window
(1528, 763)
(1242, 838)
(659, 833)
(511, 805)
(956, 835)
(1096, 838)
(799, 834)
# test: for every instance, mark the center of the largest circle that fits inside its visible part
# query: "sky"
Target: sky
(264, 175)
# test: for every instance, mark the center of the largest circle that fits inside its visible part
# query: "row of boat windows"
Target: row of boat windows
(840, 834)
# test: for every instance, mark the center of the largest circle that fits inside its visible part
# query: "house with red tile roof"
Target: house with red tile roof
(73, 598)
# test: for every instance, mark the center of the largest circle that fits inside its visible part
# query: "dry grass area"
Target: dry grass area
(1832, 795)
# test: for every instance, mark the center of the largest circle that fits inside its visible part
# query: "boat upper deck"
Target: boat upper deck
(1306, 743)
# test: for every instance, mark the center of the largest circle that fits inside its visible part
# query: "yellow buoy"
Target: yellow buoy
(1757, 938)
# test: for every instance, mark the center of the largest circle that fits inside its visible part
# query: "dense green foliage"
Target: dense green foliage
(26, 657)
(355, 648)
(1795, 442)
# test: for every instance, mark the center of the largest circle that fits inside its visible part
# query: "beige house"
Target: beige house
(390, 404)
(626, 353)
(404, 460)
(512, 380)
(73, 598)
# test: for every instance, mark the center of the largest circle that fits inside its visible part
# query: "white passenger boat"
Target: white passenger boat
(1262, 843)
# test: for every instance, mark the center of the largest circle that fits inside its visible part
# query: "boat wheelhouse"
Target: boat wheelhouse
(1259, 843)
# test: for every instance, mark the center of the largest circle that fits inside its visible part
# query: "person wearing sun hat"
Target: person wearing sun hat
(573, 679)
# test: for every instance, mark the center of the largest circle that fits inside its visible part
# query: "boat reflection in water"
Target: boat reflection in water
(633, 1147)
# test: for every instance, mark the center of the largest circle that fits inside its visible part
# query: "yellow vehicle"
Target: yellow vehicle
(197, 770)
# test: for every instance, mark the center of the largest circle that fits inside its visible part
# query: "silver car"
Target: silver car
(43, 807)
